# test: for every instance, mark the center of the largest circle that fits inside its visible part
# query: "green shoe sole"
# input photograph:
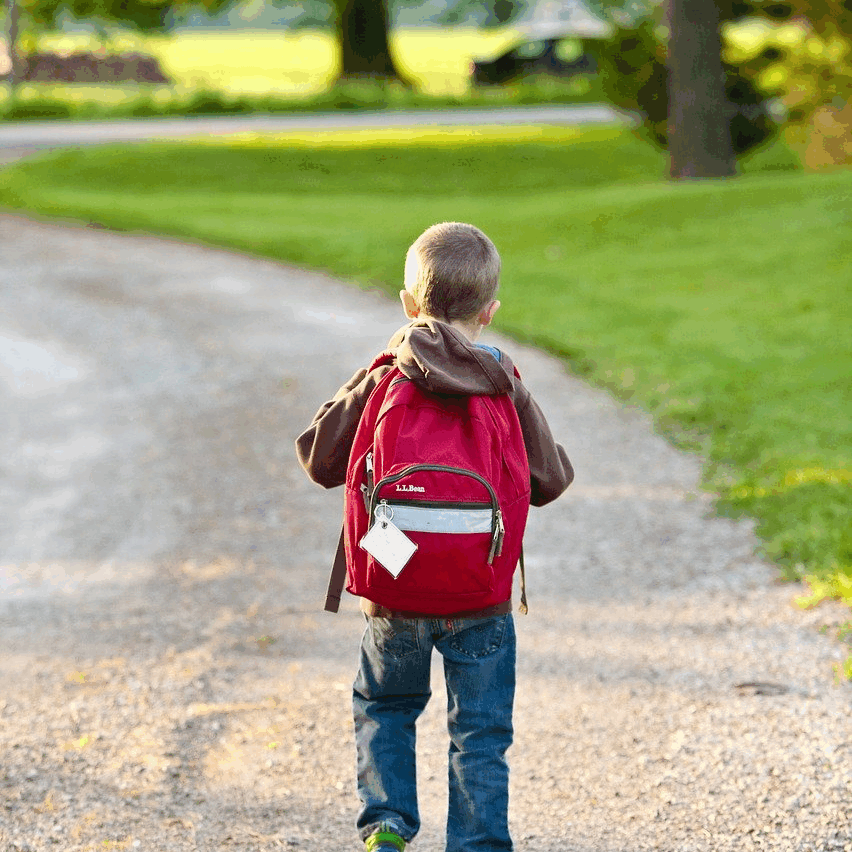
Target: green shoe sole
(384, 841)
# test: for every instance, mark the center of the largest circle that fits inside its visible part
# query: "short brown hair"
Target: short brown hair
(458, 271)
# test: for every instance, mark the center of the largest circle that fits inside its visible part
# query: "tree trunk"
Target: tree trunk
(12, 19)
(699, 112)
(364, 39)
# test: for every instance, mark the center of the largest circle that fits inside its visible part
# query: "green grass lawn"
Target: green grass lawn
(721, 307)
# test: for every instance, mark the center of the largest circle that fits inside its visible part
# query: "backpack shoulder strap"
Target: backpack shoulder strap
(337, 579)
(383, 358)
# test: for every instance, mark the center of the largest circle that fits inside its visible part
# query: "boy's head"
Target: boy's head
(452, 272)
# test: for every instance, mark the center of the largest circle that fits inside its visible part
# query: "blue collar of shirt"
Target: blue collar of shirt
(492, 349)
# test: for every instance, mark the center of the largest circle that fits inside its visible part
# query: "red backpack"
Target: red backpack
(442, 484)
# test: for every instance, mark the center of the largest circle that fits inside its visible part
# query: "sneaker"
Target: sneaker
(385, 839)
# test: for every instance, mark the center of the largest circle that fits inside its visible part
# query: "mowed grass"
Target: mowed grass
(720, 307)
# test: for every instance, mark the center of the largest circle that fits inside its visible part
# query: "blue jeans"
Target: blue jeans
(392, 690)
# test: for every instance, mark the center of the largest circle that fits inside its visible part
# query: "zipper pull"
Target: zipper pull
(497, 537)
(369, 462)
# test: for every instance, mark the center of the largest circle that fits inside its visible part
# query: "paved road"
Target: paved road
(21, 138)
(170, 681)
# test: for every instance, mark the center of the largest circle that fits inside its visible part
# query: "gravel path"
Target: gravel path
(170, 681)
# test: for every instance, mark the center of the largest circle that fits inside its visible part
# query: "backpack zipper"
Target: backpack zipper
(498, 528)
(435, 504)
(370, 474)
(367, 489)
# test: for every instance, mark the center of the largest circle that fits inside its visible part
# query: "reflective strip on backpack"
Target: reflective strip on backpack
(430, 519)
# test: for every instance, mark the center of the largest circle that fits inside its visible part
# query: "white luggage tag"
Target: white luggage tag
(386, 543)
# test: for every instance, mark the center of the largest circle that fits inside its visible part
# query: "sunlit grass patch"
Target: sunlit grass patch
(438, 60)
(351, 138)
(295, 63)
(240, 72)
(256, 62)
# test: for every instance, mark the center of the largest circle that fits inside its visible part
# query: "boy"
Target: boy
(451, 278)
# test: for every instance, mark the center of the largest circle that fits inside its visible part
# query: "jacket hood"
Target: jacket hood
(442, 360)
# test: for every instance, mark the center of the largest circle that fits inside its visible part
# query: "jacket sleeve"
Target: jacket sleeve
(323, 448)
(550, 469)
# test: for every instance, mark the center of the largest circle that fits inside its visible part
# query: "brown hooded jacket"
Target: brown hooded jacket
(442, 360)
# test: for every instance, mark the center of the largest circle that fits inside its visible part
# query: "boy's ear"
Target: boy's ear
(412, 311)
(487, 314)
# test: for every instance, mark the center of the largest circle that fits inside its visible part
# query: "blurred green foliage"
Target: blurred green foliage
(798, 52)
(159, 14)
(142, 14)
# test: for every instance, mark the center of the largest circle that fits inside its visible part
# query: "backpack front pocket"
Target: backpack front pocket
(457, 535)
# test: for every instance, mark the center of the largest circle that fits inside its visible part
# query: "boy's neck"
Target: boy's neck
(470, 330)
